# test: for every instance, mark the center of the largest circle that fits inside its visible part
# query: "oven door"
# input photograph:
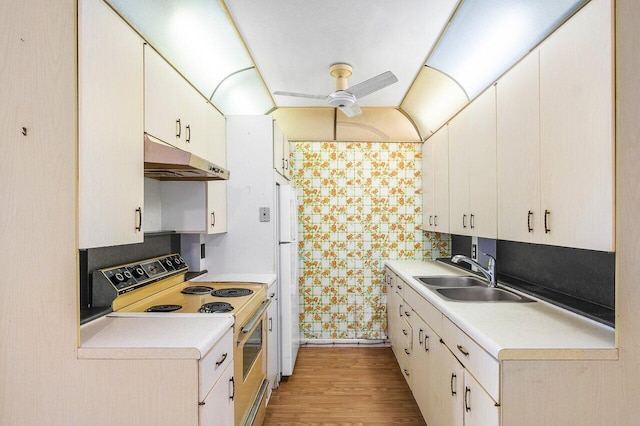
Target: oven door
(250, 359)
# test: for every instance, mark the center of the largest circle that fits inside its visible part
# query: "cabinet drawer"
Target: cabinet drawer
(484, 367)
(404, 361)
(214, 363)
(424, 309)
(400, 285)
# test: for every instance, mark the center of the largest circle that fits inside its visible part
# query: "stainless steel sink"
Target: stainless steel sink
(481, 294)
(452, 281)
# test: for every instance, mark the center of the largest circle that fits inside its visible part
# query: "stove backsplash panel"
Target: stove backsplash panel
(154, 245)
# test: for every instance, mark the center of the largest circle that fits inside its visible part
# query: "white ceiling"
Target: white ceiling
(293, 43)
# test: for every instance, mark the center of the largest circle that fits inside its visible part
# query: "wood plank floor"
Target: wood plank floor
(344, 386)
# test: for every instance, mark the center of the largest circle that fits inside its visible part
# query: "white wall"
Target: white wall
(249, 245)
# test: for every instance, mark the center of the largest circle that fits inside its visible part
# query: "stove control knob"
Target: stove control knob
(128, 275)
(137, 271)
(117, 278)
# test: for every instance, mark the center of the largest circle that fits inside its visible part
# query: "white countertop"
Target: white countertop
(267, 279)
(152, 335)
(515, 330)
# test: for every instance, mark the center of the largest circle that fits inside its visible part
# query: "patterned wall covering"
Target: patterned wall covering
(360, 203)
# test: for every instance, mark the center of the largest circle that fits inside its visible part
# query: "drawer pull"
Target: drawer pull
(201, 403)
(224, 357)
(399, 287)
(406, 372)
(406, 351)
(463, 350)
(467, 392)
(453, 391)
(400, 310)
(407, 313)
(405, 332)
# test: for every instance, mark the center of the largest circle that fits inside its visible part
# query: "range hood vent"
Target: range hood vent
(164, 162)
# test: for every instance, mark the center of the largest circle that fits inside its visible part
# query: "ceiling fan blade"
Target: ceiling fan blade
(351, 111)
(300, 95)
(373, 84)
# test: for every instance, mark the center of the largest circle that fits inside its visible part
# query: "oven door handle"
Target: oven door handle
(256, 317)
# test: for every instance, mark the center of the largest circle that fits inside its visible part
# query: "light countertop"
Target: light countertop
(267, 279)
(155, 336)
(515, 330)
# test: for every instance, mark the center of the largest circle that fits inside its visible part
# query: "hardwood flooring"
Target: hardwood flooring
(344, 386)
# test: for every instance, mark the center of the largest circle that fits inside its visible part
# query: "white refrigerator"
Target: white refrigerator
(288, 277)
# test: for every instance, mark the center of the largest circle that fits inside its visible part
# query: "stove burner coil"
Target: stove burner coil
(215, 307)
(232, 292)
(197, 289)
(164, 308)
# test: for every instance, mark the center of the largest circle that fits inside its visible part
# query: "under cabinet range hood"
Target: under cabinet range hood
(164, 162)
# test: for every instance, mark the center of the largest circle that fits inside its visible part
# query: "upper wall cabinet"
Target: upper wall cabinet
(555, 138)
(435, 182)
(472, 168)
(111, 149)
(281, 152)
(576, 131)
(177, 114)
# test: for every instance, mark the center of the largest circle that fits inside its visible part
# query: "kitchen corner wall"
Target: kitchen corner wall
(360, 204)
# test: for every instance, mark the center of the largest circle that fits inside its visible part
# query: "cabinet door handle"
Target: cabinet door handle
(453, 391)
(463, 350)
(405, 372)
(406, 351)
(188, 129)
(435, 220)
(430, 220)
(178, 128)
(467, 392)
(546, 227)
(472, 222)
(399, 287)
(407, 313)
(529, 215)
(219, 363)
(213, 219)
(420, 336)
(464, 221)
(270, 324)
(405, 332)
(426, 343)
(139, 225)
(287, 164)
(233, 389)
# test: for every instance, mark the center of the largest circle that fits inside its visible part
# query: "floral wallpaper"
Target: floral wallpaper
(359, 204)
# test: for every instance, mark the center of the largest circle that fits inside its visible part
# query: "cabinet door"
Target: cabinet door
(217, 207)
(197, 132)
(111, 149)
(218, 405)
(451, 388)
(163, 100)
(426, 378)
(479, 408)
(278, 149)
(481, 146)
(518, 131)
(576, 131)
(441, 180)
(459, 134)
(217, 146)
(428, 177)
(273, 341)
(286, 148)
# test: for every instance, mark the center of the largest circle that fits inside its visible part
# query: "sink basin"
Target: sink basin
(481, 294)
(452, 281)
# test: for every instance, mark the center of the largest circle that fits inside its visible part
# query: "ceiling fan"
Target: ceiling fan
(345, 97)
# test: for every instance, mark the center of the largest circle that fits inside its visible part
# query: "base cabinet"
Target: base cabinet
(273, 340)
(438, 367)
(217, 407)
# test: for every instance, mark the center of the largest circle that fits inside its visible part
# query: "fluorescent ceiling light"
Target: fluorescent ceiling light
(196, 36)
(486, 37)
(242, 93)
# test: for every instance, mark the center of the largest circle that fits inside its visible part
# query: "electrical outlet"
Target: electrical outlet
(474, 248)
(265, 214)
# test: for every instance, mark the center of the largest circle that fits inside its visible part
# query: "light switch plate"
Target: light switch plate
(265, 214)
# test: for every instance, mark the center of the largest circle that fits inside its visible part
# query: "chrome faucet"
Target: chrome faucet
(489, 272)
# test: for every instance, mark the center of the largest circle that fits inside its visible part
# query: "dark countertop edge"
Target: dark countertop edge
(595, 312)
(90, 314)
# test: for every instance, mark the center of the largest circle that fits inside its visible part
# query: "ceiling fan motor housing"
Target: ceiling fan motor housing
(341, 99)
